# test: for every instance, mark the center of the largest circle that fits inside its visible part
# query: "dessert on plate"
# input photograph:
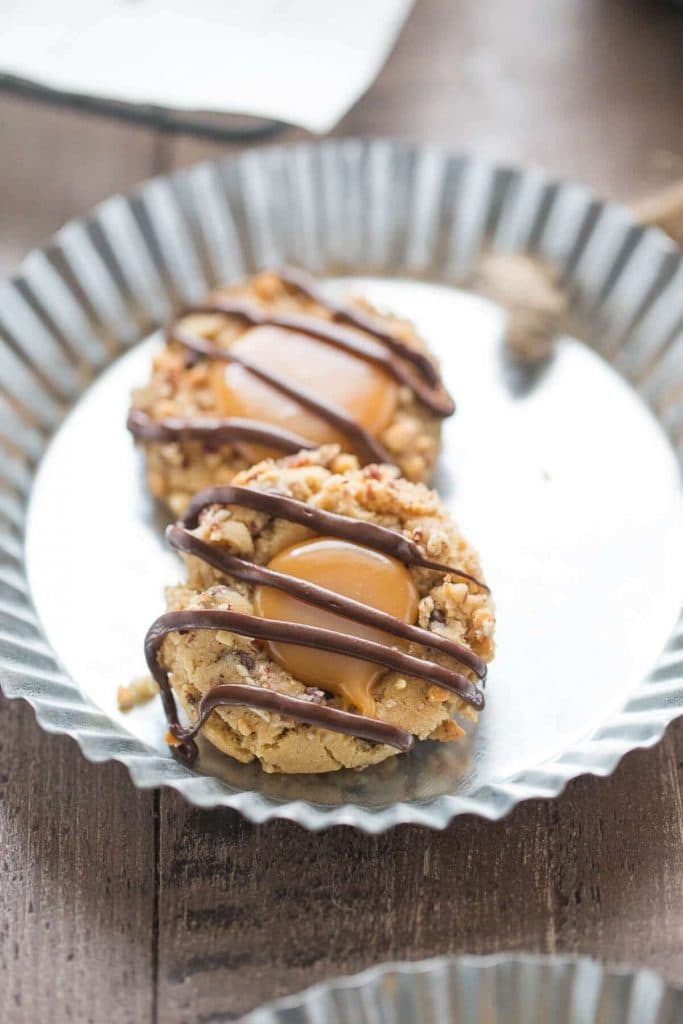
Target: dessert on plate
(332, 615)
(275, 365)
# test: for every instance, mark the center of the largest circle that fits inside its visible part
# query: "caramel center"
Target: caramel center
(354, 571)
(363, 390)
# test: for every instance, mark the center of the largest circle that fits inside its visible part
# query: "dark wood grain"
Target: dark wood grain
(252, 913)
(77, 886)
(111, 912)
(77, 895)
(56, 163)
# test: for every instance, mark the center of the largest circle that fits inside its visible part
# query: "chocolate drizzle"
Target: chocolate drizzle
(366, 444)
(305, 636)
(436, 399)
(306, 711)
(324, 716)
(401, 362)
(216, 431)
(259, 575)
(281, 506)
(319, 638)
(306, 284)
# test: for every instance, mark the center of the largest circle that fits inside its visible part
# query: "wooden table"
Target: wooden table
(120, 906)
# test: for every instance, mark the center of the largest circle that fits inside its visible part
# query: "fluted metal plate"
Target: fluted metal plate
(497, 989)
(566, 480)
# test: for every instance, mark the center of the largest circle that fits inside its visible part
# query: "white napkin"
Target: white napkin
(300, 61)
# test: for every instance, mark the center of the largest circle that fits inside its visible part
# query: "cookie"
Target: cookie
(332, 615)
(275, 365)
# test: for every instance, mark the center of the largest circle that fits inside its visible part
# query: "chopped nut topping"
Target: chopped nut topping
(138, 692)
(448, 731)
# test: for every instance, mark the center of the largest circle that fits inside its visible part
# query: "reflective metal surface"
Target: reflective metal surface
(484, 990)
(564, 479)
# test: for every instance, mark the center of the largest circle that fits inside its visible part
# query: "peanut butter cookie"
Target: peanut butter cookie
(331, 616)
(275, 365)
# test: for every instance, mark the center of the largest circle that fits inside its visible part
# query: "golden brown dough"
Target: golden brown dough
(181, 387)
(199, 660)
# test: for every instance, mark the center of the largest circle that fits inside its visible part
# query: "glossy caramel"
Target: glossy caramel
(366, 392)
(366, 575)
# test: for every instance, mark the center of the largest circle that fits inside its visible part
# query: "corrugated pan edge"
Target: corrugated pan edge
(363, 206)
(501, 989)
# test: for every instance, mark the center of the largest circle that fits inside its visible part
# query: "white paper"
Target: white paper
(300, 61)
